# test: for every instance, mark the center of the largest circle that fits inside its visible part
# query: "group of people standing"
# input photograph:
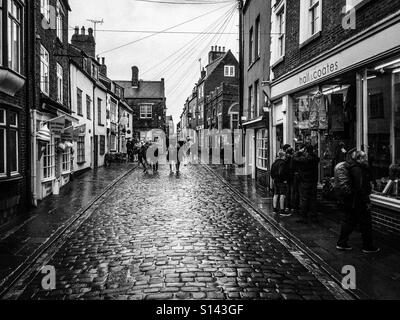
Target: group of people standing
(295, 176)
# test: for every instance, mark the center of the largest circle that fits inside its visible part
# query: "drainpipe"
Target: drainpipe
(94, 125)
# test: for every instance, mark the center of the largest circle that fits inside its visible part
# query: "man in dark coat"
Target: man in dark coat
(357, 204)
(306, 162)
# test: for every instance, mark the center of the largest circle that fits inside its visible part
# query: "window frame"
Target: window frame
(60, 21)
(15, 21)
(60, 83)
(281, 24)
(263, 146)
(257, 42)
(45, 9)
(88, 107)
(99, 112)
(79, 102)
(10, 128)
(146, 114)
(49, 165)
(44, 65)
(66, 161)
(80, 150)
(251, 45)
(229, 71)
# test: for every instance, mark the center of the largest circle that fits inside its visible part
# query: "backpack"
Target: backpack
(342, 180)
(279, 170)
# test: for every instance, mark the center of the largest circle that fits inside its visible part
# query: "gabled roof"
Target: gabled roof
(212, 66)
(145, 90)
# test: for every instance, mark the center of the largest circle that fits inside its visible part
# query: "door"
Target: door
(96, 151)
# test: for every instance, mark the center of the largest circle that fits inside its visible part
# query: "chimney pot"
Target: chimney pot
(83, 31)
(90, 30)
(223, 49)
(219, 49)
(103, 61)
(76, 30)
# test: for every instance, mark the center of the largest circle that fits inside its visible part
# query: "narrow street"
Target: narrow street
(173, 237)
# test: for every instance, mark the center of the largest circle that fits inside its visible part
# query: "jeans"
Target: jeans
(308, 198)
(293, 197)
(357, 214)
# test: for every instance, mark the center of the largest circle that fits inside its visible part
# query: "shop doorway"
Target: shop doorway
(279, 138)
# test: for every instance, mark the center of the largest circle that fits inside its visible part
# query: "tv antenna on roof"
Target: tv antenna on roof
(95, 23)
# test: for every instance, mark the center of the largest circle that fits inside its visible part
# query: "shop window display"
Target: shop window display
(383, 111)
(325, 117)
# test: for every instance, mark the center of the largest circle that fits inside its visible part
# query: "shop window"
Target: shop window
(263, 149)
(49, 161)
(376, 106)
(113, 143)
(326, 118)
(384, 128)
(9, 143)
(102, 145)
(66, 161)
(81, 149)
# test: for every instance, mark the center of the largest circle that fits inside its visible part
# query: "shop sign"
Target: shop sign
(67, 133)
(57, 125)
(78, 131)
(354, 56)
(318, 72)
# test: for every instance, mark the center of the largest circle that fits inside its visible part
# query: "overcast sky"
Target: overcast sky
(182, 69)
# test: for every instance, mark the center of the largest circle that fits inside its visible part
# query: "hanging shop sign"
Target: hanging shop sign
(79, 131)
(57, 125)
(67, 133)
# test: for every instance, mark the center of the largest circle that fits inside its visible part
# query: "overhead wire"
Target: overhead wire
(158, 32)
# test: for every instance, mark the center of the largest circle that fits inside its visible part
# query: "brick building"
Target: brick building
(148, 103)
(222, 67)
(335, 71)
(256, 17)
(15, 101)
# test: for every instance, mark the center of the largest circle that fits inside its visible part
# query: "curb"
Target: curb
(333, 274)
(13, 278)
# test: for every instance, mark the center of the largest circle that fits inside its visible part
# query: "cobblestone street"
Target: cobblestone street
(167, 237)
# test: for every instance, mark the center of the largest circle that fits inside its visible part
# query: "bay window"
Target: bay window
(44, 70)
(9, 143)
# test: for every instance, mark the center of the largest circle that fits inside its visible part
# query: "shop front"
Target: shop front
(349, 99)
(53, 156)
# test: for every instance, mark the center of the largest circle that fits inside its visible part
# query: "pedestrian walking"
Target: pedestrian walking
(307, 162)
(357, 188)
(142, 156)
(280, 176)
(292, 201)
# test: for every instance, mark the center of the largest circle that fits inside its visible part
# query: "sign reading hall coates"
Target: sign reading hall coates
(317, 72)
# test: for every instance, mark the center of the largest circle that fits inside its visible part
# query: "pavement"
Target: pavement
(377, 276)
(162, 236)
(25, 240)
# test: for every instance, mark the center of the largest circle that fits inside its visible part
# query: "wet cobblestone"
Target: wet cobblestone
(167, 237)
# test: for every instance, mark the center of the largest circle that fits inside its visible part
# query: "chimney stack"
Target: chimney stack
(103, 67)
(135, 76)
(214, 54)
(84, 42)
